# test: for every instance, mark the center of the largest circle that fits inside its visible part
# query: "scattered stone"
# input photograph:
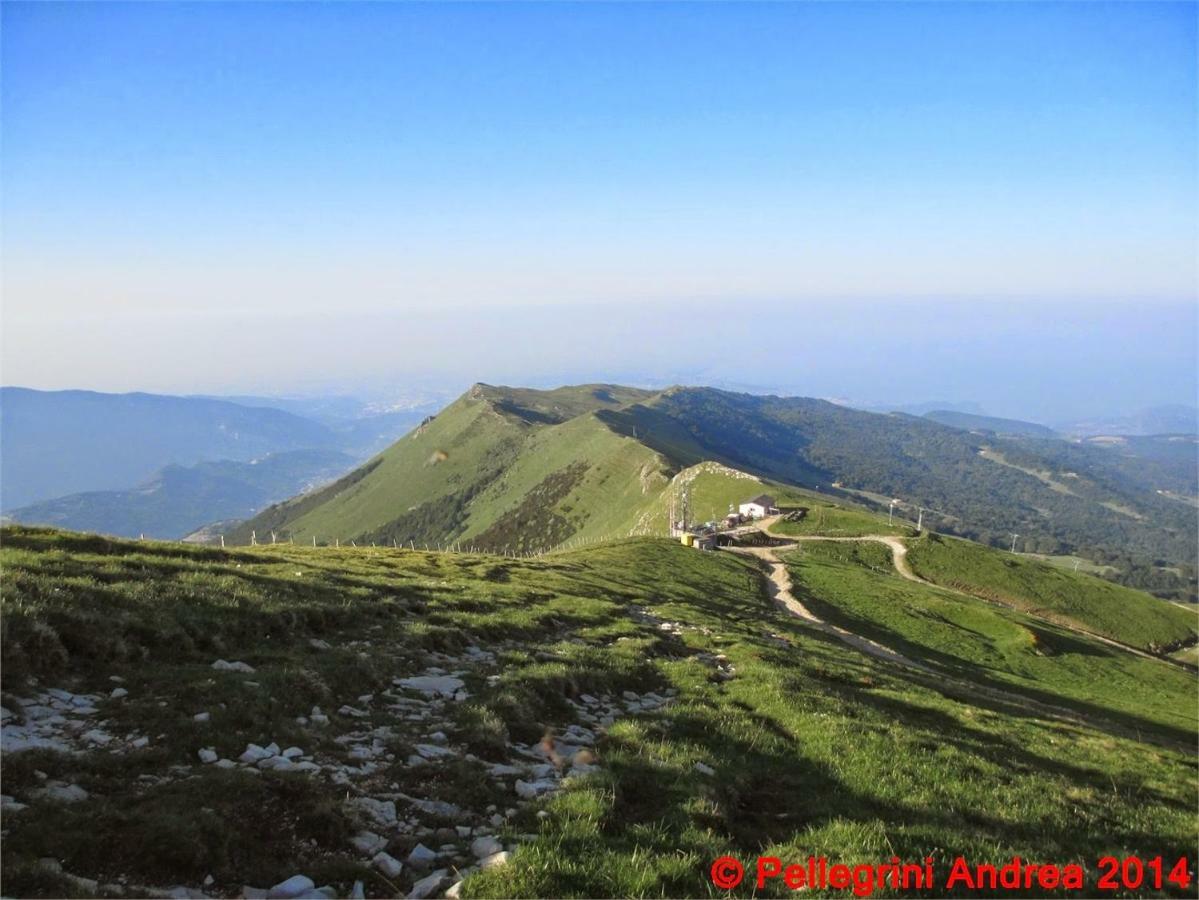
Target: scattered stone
(530, 790)
(318, 644)
(118, 693)
(62, 792)
(482, 847)
(496, 859)
(292, 753)
(353, 713)
(428, 885)
(381, 812)
(387, 864)
(421, 857)
(201, 717)
(253, 753)
(291, 888)
(358, 892)
(433, 751)
(454, 890)
(10, 805)
(139, 743)
(207, 755)
(237, 666)
(704, 769)
(433, 685)
(367, 843)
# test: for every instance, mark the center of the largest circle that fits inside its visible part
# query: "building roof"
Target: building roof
(761, 500)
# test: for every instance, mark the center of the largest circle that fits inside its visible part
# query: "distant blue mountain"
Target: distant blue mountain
(54, 443)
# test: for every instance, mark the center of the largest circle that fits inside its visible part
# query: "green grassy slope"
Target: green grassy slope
(583, 462)
(831, 520)
(1074, 598)
(853, 585)
(815, 748)
(503, 469)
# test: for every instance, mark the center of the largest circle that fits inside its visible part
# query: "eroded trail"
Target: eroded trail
(899, 553)
(779, 588)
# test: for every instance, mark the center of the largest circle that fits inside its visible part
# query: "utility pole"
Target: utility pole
(253, 538)
(1014, 536)
(1076, 562)
(891, 514)
(920, 519)
(222, 542)
(314, 540)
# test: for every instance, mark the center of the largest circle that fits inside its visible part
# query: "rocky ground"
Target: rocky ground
(421, 843)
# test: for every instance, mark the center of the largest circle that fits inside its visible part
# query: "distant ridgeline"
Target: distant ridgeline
(518, 469)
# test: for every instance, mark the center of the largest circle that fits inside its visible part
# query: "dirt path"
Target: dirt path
(779, 588)
(899, 553)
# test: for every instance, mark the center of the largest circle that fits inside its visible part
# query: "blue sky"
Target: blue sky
(181, 173)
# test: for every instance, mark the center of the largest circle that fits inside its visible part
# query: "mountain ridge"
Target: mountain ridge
(520, 469)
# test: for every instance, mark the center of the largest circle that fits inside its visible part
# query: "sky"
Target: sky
(979, 202)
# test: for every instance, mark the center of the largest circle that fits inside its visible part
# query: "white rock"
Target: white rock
(433, 685)
(428, 885)
(207, 755)
(381, 812)
(434, 751)
(237, 666)
(139, 743)
(292, 753)
(367, 843)
(485, 846)
(532, 789)
(118, 693)
(253, 753)
(352, 712)
(496, 859)
(272, 748)
(357, 892)
(318, 644)
(387, 864)
(291, 888)
(421, 856)
(225, 764)
(704, 769)
(454, 890)
(10, 805)
(201, 717)
(62, 792)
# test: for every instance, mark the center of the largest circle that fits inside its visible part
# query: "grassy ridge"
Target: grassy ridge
(1075, 598)
(816, 748)
(854, 586)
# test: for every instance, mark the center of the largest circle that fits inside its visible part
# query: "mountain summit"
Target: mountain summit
(515, 469)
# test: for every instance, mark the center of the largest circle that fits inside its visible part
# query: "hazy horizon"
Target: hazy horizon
(989, 203)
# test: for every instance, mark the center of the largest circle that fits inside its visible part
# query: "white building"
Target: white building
(758, 507)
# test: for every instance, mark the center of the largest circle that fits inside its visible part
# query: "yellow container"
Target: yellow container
(687, 540)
